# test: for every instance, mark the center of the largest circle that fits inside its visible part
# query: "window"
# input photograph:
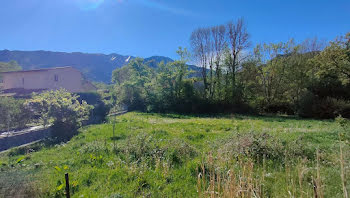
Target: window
(56, 77)
(23, 81)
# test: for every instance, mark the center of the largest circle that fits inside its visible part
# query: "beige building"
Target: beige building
(68, 78)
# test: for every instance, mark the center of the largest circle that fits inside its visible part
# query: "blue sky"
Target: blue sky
(157, 27)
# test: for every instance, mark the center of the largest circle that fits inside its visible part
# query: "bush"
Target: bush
(343, 123)
(100, 111)
(323, 108)
(61, 131)
(258, 146)
(144, 148)
(305, 105)
(179, 152)
(13, 112)
(279, 108)
(64, 108)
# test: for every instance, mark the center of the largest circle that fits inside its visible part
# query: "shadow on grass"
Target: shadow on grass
(118, 137)
(265, 118)
(44, 143)
(23, 150)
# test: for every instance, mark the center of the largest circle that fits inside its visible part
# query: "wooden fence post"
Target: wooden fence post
(67, 185)
(114, 132)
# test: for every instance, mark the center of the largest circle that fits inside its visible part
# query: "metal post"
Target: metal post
(67, 185)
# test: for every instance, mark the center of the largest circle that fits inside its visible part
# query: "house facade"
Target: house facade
(68, 78)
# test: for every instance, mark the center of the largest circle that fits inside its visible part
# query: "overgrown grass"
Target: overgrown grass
(169, 155)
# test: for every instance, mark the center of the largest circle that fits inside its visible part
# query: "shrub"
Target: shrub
(13, 113)
(140, 147)
(324, 108)
(343, 123)
(145, 148)
(62, 131)
(179, 152)
(279, 107)
(262, 146)
(65, 110)
(100, 111)
(305, 105)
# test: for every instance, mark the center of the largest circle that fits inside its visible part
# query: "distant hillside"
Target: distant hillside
(96, 67)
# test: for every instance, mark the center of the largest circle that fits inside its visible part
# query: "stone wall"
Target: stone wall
(21, 139)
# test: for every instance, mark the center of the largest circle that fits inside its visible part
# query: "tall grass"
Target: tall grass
(246, 178)
(161, 155)
(342, 171)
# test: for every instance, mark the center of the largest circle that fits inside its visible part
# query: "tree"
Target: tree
(335, 59)
(201, 48)
(10, 66)
(328, 93)
(181, 70)
(63, 108)
(268, 76)
(170, 86)
(271, 70)
(219, 39)
(238, 40)
(13, 113)
(133, 89)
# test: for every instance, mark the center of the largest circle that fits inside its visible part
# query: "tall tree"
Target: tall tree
(335, 59)
(219, 39)
(199, 46)
(271, 62)
(238, 40)
(133, 90)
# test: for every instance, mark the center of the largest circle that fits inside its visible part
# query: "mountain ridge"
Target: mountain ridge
(95, 66)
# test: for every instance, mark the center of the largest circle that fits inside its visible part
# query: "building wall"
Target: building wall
(68, 78)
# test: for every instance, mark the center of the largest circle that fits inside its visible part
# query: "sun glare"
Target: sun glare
(89, 4)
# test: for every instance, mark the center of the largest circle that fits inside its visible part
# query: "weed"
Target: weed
(169, 155)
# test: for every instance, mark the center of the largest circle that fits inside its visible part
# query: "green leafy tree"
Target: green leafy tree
(276, 76)
(271, 70)
(170, 85)
(9, 66)
(13, 113)
(133, 85)
(63, 108)
(335, 60)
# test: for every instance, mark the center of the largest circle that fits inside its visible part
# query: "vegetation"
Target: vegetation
(9, 66)
(169, 155)
(100, 106)
(309, 79)
(63, 108)
(13, 114)
(172, 155)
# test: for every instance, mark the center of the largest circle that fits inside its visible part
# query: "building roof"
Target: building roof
(37, 70)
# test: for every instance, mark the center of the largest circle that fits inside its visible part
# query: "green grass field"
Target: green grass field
(169, 155)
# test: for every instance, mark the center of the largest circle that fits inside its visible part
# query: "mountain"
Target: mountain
(96, 67)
